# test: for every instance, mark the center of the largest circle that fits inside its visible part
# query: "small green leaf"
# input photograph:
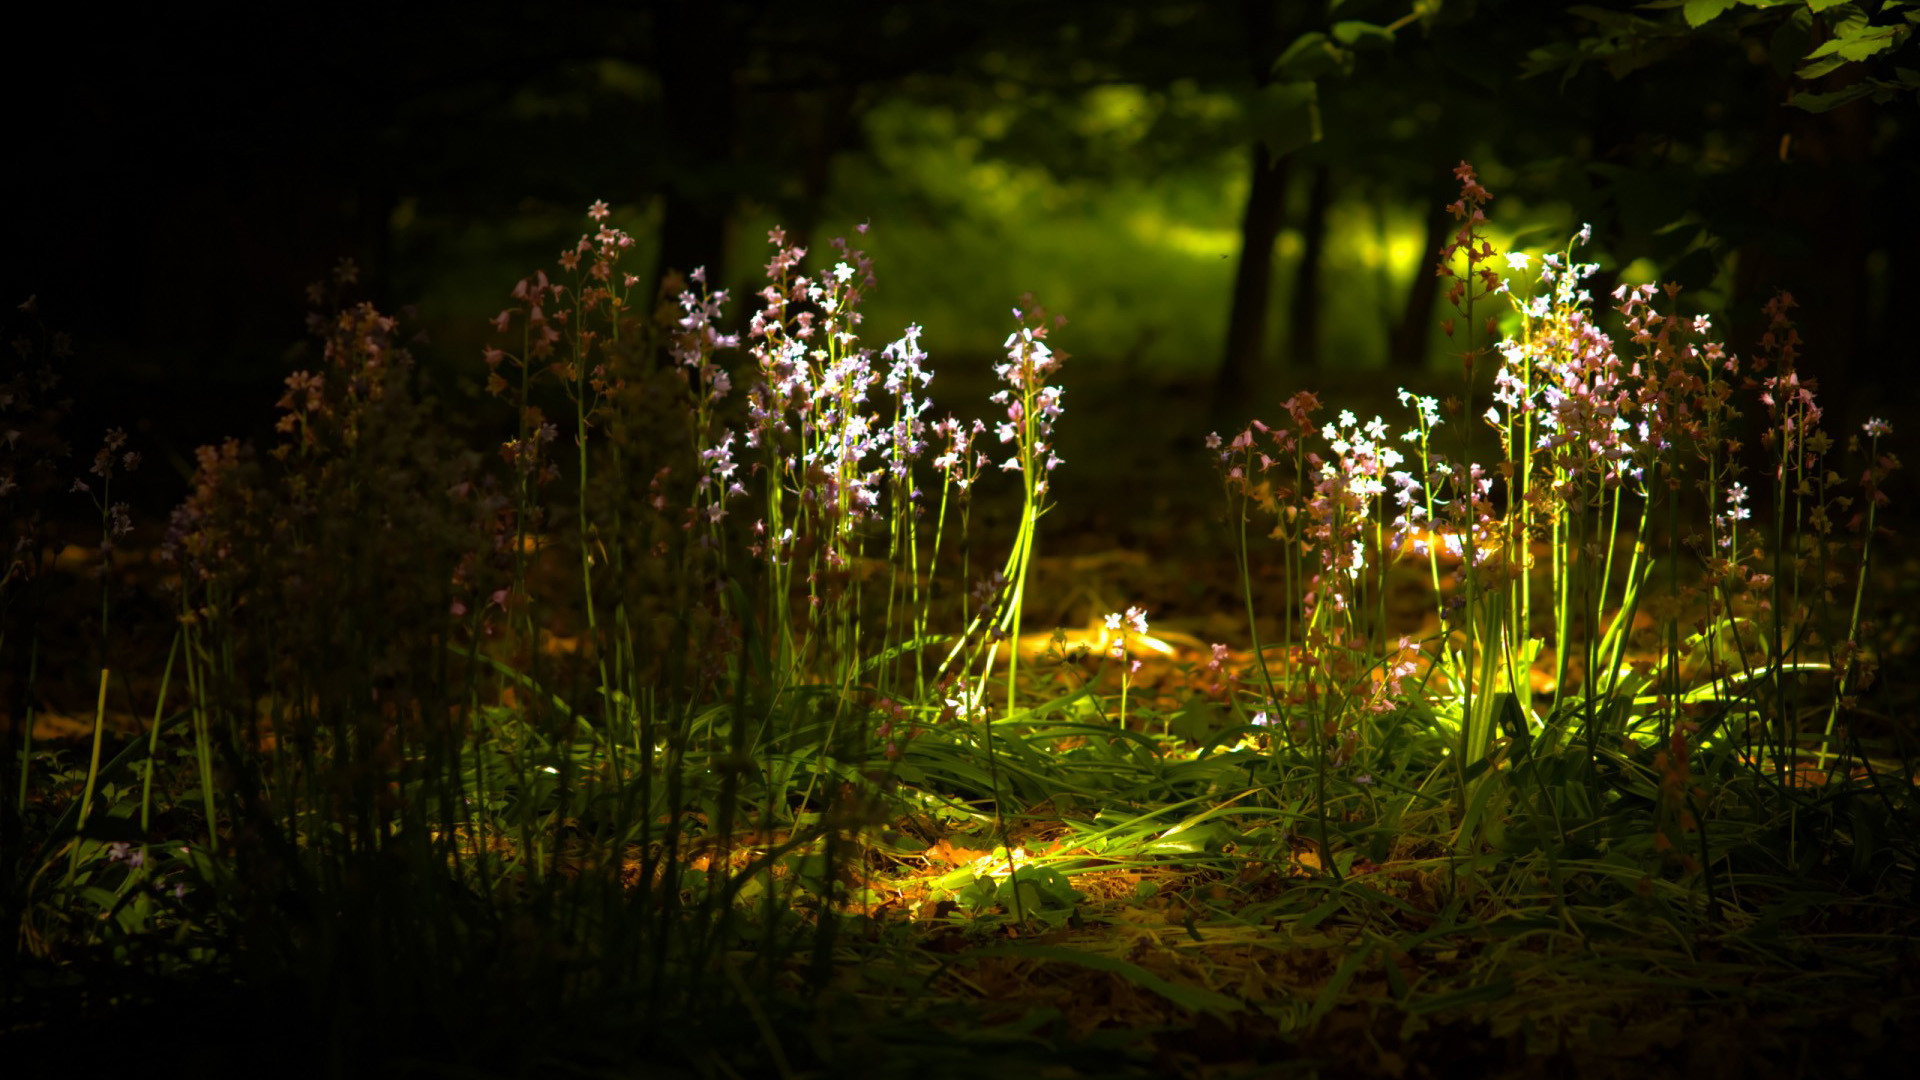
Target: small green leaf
(1362, 35)
(1309, 57)
(978, 895)
(1701, 12)
(1038, 887)
(1192, 839)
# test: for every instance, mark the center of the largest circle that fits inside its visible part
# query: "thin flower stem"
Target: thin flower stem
(153, 735)
(93, 777)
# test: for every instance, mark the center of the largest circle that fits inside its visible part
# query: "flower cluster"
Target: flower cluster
(1388, 689)
(907, 375)
(1880, 463)
(202, 537)
(1242, 458)
(695, 343)
(697, 338)
(1414, 494)
(1477, 279)
(1032, 404)
(564, 332)
(1678, 796)
(812, 409)
(1121, 627)
(960, 463)
(1563, 384)
(1346, 499)
(114, 516)
(1221, 679)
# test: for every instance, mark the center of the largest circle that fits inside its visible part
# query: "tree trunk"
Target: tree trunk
(698, 90)
(1303, 312)
(828, 123)
(1819, 192)
(1260, 224)
(1407, 344)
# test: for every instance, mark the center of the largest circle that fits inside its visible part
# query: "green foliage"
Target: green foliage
(1812, 38)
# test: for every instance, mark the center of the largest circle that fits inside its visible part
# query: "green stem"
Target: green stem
(153, 736)
(93, 775)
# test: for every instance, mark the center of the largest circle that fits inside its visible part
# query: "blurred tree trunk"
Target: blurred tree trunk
(828, 123)
(699, 89)
(1817, 189)
(1260, 223)
(1260, 226)
(1407, 344)
(1303, 313)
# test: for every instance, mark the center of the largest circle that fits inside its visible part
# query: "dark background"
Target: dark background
(177, 178)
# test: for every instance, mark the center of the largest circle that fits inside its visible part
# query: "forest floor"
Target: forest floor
(1219, 966)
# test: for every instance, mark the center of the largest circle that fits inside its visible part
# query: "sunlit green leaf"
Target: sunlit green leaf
(1701, 12)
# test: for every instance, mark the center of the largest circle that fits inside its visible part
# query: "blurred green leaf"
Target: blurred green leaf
(1311, 56)
(1819, 103)
(1286, 116)
(1362, 35)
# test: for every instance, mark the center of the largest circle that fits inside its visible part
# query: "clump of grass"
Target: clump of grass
(1568, 723)
(415, 776)
(645, 727)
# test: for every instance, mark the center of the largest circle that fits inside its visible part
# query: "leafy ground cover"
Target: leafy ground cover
(744, 714)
